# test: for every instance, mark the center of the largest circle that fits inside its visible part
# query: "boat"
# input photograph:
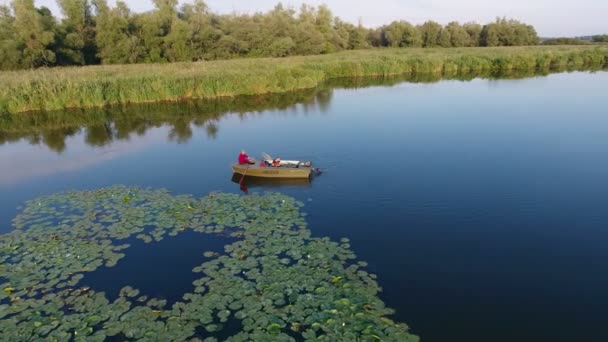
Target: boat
(251, 170)
(286, 169)
(261, 182)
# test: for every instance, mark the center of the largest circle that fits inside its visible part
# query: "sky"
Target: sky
(550, 18)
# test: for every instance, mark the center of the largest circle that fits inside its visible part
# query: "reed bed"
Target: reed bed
(92, 86)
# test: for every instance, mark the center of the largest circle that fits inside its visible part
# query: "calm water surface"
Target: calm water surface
(481, 205)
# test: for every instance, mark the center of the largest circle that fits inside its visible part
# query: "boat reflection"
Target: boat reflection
(258, 182)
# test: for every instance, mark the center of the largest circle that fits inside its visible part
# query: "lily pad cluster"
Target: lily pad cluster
(276, 281)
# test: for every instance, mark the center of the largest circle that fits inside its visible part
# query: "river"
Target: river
(480, 204)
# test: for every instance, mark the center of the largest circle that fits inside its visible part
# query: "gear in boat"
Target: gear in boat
(270, 167)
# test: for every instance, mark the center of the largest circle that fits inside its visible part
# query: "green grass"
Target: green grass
(74, 87)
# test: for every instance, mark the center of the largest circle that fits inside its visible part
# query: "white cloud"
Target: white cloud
(551, 18)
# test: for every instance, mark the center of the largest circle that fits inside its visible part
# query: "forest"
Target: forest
(91, 32)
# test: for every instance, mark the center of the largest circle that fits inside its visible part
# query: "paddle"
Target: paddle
(244, 173)
(241, 186)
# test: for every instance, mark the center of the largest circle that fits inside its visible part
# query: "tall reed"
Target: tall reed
(73, 87)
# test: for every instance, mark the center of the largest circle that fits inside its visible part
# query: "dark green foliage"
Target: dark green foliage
(92, 32)
(357, 35)
(10, 48)
(458, 35)
(430, 32)
(402, 34)
(474, 32)
(376, 37)
(34, 34)
(602, 38)
(115, 43)
(564, 41)
(505, 32)
(445, 38)
(76, 34)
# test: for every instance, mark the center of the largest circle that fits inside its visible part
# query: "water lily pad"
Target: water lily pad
(276, 278)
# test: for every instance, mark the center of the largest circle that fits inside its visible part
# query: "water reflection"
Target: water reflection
(257, 182)
(25, 162)
(102, 126)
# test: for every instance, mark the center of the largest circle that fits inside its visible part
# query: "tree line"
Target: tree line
(600, 38)
(583, 40)
(92, 32)
(565, 41)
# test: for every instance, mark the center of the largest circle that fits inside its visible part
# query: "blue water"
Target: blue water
(481, 205)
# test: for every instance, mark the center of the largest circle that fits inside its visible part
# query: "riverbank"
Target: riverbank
(93, 86)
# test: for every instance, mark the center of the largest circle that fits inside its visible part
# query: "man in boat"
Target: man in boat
(276, 162)
(245, 159)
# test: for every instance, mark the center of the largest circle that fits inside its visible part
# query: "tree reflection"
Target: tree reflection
(181, 132)
(55, 139)
(99, 135)
(212, 129)
(102, 126)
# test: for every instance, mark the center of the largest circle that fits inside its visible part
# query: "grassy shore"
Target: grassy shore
(59, 88)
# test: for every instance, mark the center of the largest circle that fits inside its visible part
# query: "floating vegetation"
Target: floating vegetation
(280, 283)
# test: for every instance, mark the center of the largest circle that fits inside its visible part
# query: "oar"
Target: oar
(244, 173)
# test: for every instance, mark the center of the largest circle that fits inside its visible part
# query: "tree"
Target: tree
(279, 22)
(402, 34)
(34, 34)
(489, 35)
(341, 35)
(308, 37)
(324, 24)
(178, 44)
(229, 46)
(532, 35)
(505, 32)
(474, 31)
(429, 32)
(308, 40)
(281, 47)
(10, 49)
(458, 36)
(76, 34)
(115, 43)
(357, 35)
(151, 30)
(376, 37)
(276, 31)
(202, 34)
(32, 37)
(445, 38)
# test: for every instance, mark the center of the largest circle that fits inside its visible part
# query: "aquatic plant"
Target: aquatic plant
(281, 283)
(60, 88)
